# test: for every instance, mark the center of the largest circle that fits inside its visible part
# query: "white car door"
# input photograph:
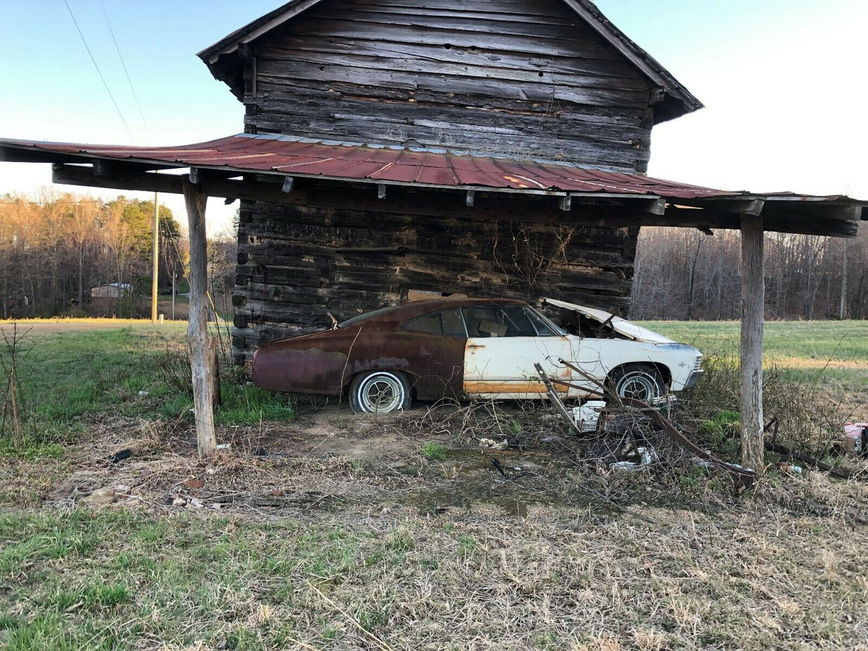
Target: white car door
(502, 347)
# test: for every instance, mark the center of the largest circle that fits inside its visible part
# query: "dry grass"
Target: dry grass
(334, 532)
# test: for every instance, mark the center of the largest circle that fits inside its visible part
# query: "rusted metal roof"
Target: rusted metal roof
(355, 162)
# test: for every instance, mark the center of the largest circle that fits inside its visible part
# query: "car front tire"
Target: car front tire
(379, 392)
(640, 381)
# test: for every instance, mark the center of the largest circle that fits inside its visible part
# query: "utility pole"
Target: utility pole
(155, 283)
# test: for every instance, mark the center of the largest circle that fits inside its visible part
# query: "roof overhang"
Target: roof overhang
(264, 168)
(225, 58)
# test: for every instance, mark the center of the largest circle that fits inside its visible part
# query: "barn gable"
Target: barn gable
(544, 79)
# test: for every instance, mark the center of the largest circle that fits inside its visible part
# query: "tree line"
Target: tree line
(685, 274)
(55, 248)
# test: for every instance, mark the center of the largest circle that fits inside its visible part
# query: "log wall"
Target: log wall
(342, 252)
(506, 77)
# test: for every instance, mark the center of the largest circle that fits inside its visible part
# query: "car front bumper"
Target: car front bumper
(693, 379)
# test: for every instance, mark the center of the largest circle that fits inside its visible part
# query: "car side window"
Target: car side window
(482, 322)
(453, 324)
(447, 322)
(498, 322)
(518, 325)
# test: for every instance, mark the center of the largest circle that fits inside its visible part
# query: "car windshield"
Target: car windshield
(366, 316)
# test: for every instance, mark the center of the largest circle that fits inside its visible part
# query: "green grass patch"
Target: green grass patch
(434, 452)
(67, 378)
(828, 353)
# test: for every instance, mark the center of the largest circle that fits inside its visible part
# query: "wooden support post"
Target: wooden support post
(752, 307)
(197, 332)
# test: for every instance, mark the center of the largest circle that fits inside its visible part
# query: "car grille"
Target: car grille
(698, 364)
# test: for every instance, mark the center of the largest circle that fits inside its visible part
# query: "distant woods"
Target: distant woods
(683, 274)
(58, 249)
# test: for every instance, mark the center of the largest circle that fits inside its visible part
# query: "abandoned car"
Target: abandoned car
(473, 348)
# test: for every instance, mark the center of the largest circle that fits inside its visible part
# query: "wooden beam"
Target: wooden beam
(381, 191)
(147, 182)
(747, 206)
(30, 155)
(200, 348)
(470, 198)
(566, 203)
(752, 307)
(288, 184)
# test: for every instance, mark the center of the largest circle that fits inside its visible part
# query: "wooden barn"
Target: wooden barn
(479, 84)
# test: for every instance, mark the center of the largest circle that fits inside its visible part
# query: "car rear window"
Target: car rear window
(447, 322)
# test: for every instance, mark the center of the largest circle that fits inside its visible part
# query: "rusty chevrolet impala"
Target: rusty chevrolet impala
(473, 348)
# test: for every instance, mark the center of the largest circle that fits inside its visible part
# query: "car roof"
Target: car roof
(414, 309)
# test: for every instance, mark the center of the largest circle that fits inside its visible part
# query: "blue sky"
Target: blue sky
(783, 82)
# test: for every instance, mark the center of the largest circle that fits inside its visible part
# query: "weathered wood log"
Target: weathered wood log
(752, 308)
(201, 352)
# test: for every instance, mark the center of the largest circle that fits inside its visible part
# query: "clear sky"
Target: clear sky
(783, 81)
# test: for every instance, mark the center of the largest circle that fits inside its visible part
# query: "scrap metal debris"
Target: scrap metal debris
(742, 477)
(856, 439)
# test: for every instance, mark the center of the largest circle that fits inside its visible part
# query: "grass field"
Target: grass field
(826, 350)
(322, 530)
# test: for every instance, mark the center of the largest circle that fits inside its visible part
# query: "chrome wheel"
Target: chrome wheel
(638, 381)
(379, 393)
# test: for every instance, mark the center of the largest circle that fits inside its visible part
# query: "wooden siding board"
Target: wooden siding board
(305, 47)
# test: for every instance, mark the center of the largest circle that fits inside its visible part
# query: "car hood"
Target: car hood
(619, 325)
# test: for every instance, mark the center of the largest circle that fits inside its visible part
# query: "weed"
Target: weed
(400, 540)
(466, 544)
(434, 452)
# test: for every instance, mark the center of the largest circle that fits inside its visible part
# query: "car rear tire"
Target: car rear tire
(640, 381)
(379, 392)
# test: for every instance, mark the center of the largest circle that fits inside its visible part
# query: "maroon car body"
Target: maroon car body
(326, 362)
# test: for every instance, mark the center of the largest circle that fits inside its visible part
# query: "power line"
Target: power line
(121, 57)
(99, 72)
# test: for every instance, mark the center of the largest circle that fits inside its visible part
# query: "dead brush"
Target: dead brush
(173, 368)
(810, 420)
(521, 425)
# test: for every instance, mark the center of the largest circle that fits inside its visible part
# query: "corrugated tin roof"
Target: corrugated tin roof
(356, 162)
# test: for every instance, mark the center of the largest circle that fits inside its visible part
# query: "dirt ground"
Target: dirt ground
(329, 461)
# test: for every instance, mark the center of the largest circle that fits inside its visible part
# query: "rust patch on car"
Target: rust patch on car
(475, 387)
